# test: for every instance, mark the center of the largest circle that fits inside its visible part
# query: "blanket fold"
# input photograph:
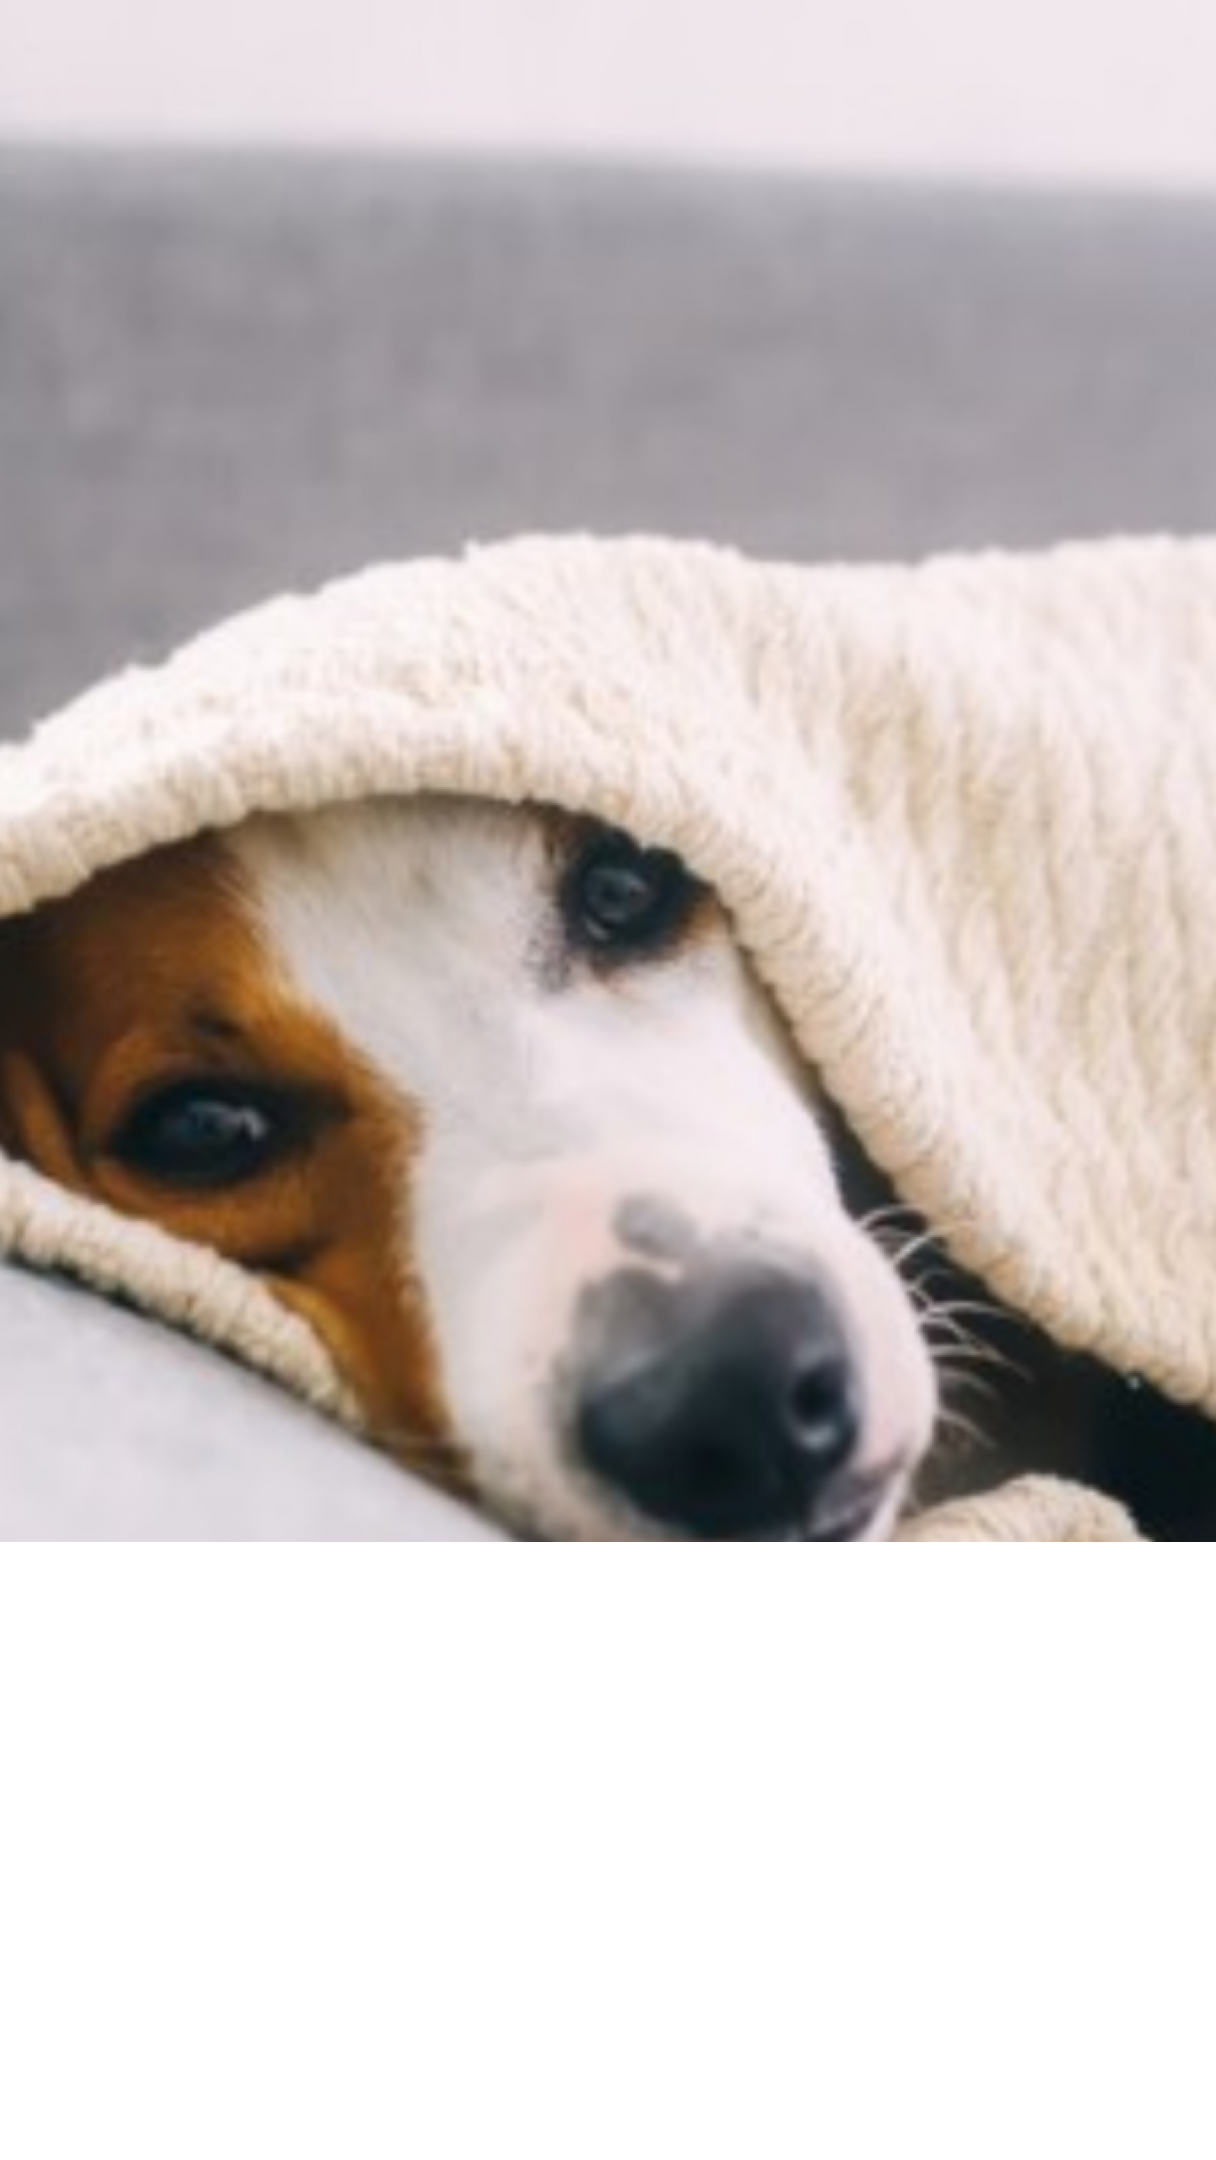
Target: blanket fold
(963, 815)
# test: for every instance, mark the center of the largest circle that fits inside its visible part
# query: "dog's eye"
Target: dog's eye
(200, 1134)
(622, 898)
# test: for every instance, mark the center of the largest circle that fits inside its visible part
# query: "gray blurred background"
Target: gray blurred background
(853, 277)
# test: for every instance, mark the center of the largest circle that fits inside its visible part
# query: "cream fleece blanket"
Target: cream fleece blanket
(964, 815)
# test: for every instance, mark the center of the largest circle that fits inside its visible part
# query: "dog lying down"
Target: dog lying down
(490, 1097)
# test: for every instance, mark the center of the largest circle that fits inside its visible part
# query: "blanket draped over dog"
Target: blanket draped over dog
(963, 815)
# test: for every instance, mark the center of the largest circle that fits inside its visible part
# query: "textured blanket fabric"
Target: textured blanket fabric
(964, 815)
(1028, 1511)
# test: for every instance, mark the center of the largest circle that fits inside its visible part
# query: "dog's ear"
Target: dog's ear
(33, 1127)
(9, 1025)
(9, 1140)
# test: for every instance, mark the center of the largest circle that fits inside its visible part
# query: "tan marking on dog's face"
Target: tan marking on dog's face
(155, 975)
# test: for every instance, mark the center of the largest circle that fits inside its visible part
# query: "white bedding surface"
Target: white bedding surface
(113, 1427)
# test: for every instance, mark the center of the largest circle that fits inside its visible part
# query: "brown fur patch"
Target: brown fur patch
(154, 975)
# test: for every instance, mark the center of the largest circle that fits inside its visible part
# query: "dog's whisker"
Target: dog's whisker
(977, 1308)
(960, 1378)
(966, 1348)
(977, 1365)
(902, 1257)
(958, 1357)
(955, 1431)
(882, 1220)
(950, 1316)
(946, 1336)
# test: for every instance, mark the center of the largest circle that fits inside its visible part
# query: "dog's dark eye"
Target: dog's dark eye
(200, 1135)
(620, 898)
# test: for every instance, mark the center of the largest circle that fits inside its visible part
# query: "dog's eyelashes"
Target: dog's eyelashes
(622, 900)
(200, 1135)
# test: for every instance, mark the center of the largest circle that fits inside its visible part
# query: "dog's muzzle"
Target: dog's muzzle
(722, 1403)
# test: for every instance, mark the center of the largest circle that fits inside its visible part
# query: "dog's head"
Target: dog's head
(491, 1097)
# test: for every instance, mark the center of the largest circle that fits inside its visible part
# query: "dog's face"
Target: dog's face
(491, 1097)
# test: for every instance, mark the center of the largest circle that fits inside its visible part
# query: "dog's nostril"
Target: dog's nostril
(825, 1410)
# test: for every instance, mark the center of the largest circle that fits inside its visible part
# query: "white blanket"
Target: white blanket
(964, 816)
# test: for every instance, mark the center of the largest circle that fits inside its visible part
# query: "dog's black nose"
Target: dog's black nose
(720, 1405)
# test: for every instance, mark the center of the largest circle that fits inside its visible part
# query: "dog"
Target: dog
(490, 1096)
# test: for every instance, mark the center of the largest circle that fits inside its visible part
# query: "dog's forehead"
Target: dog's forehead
(410, 856)
(427, 929)
(427, 926)
(454, 885)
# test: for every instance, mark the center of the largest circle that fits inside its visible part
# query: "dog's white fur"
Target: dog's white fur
(548, 1095)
